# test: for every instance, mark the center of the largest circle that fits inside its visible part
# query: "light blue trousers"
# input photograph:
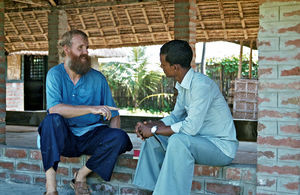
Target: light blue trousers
(166, 164)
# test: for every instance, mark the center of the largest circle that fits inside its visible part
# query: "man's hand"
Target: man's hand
(103, 110)
(143, 130)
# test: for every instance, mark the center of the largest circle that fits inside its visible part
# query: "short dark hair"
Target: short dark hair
(66, 39)
(177, 52)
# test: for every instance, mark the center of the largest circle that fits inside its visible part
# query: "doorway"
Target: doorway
(35, 67)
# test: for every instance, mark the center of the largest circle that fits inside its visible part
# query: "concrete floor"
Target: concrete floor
(25, 136)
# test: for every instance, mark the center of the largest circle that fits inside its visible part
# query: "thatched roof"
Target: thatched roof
(111, 24)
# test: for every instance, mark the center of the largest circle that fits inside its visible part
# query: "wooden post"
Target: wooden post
(250, 60)
(241, 60)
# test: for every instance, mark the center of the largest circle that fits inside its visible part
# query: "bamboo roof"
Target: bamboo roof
(112, 24)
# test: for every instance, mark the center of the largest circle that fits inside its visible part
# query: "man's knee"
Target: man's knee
(51, 122)
(178, 139)
(120, 139)
(53, 117)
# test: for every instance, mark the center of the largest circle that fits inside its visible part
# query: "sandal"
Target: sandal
(51, 193)
(80, 187)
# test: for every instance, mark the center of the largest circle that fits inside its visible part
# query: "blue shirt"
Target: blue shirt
(91, 89)
(201, 109)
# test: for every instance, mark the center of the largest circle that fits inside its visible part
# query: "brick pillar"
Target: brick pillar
(185, 23)
(278, 162)
(2, 75)
(57, 25)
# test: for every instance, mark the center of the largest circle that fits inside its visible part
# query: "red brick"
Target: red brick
(292, 72)
(28, 167)
(295, 42)
(261, 100)
(290, 29)
(203, 170)
(40, 180)
(196, 185)
(249, 176)
(292, 100)
(269, 140)
(20, 178)
(292, 186)
(278, 170)
(233, 174)
(222, 189)
(36, 154)
(276, 114)
(105, 188)
(261, 43)
(63, 171)
(15, 153)
(7, 165)
(290, 157)
(128, 163)
(2, 130)
(121, 177)
(267, 154)
(129, 190)
(70, 160)
(293, 13)
(275, 58)
(295, 129)
(3, 175)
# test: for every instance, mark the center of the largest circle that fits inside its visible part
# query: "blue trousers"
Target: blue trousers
(166, 164)
(104, 144)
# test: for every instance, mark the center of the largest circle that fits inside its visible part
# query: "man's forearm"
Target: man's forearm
(162, 129)
(115, 122)
(69, 111)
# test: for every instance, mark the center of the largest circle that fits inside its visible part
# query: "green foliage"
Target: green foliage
(230, 67)
(132, 76)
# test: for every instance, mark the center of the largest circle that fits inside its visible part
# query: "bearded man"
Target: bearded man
(77, 99)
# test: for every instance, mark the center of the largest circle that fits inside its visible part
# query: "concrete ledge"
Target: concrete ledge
(246, 129)
(24, 165)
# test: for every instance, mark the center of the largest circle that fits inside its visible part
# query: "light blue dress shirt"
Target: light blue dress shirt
(92, 89)
(201, 109)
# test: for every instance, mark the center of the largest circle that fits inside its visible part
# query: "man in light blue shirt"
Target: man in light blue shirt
(77, 96)
(200, 129)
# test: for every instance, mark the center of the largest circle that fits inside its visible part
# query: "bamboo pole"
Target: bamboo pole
(241, 60)
(250, 60)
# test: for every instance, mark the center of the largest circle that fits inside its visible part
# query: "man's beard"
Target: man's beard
(75, 63)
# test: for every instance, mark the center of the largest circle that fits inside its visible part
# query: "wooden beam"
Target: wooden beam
(82, 5)
(128, 16)
(33, 2)
(165, 22)
(81, 19)
(52, 2)
(242, 19)
(145, 15)
(37, 23)
(221, 10)
(25, 23)
(240, 61)
(99, 26)
(250, 60)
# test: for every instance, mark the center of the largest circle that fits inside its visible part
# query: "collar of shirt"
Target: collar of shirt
(81, 80)
(186, 82)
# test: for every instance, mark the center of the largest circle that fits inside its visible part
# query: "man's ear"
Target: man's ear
(66, 49)
(176, 67)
